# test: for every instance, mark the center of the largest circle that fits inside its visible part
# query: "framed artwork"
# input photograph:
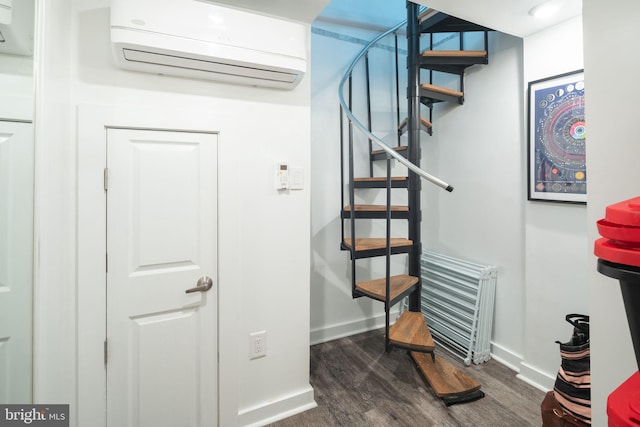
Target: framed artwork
(557, 137)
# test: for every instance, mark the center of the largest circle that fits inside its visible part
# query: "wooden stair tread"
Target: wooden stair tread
(370, 243)
(443, 90)
(424, 122)
(444, 379)
(411, 331)
(401, 148)
(427, 14)
(456, 53)
(377, 208)
(377, 288)
(381, 182)
(432, 21)
(380, 178)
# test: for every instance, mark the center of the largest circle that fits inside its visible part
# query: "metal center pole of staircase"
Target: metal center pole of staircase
(413, 111)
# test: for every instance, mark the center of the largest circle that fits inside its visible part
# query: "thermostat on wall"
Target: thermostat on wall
(282, 177)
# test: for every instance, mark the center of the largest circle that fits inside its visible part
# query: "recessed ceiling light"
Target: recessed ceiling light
(544, 10)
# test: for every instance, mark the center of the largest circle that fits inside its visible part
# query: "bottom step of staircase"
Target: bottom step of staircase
(410, 331)
(447, 382)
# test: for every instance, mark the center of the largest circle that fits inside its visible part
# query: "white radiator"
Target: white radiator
(457, 301)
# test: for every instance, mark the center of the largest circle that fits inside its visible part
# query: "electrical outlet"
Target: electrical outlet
(257, 344)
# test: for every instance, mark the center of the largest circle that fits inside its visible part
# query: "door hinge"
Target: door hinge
(105, 352)
(106, 263)
(106, 179)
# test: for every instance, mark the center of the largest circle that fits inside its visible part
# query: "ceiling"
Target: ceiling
(298, 10)
(508, 16)
(375, 14)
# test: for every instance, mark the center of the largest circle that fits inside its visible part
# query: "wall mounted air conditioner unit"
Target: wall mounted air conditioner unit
(198, 39)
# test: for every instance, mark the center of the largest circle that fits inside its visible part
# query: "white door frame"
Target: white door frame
(91, 240)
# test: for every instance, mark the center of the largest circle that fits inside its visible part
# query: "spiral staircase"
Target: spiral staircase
(399, 149)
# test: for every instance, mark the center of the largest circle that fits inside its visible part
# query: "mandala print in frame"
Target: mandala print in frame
(557, 138)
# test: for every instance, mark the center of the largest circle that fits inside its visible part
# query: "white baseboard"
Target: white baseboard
(535, 377)
(506, 357)
(525, 372)
(273, 411)
(346, 329)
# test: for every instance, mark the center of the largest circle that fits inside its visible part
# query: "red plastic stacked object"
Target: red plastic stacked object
(620, 244)
(620, 231)
(623, 405)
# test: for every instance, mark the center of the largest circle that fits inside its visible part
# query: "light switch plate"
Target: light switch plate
(296, 178)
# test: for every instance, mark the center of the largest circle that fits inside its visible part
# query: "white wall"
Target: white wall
(16, 71)
(16, 219)
(54, 281)
(333, 311)
(263, 235)
(555, 234)
(612, 162)
(478, 148)
(16, 206)
(16, 87)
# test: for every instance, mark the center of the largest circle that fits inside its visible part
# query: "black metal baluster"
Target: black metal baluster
(352, 196)
(413, 82)
(387, 299)
(369, 126)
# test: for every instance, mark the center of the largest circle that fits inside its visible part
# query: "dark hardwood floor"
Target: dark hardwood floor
(357, 384)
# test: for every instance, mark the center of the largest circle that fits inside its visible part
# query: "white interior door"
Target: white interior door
(161, 239)
(16, 261)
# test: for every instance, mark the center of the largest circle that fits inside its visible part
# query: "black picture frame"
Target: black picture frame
(556, 157)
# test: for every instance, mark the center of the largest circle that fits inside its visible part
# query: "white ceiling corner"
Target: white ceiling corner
(507, 16)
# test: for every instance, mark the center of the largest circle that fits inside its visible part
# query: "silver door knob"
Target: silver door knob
(204, 284)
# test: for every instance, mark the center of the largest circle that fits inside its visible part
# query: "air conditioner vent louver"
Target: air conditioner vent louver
(204, 66)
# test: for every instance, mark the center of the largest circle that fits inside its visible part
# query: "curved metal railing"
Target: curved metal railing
(391, 152)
